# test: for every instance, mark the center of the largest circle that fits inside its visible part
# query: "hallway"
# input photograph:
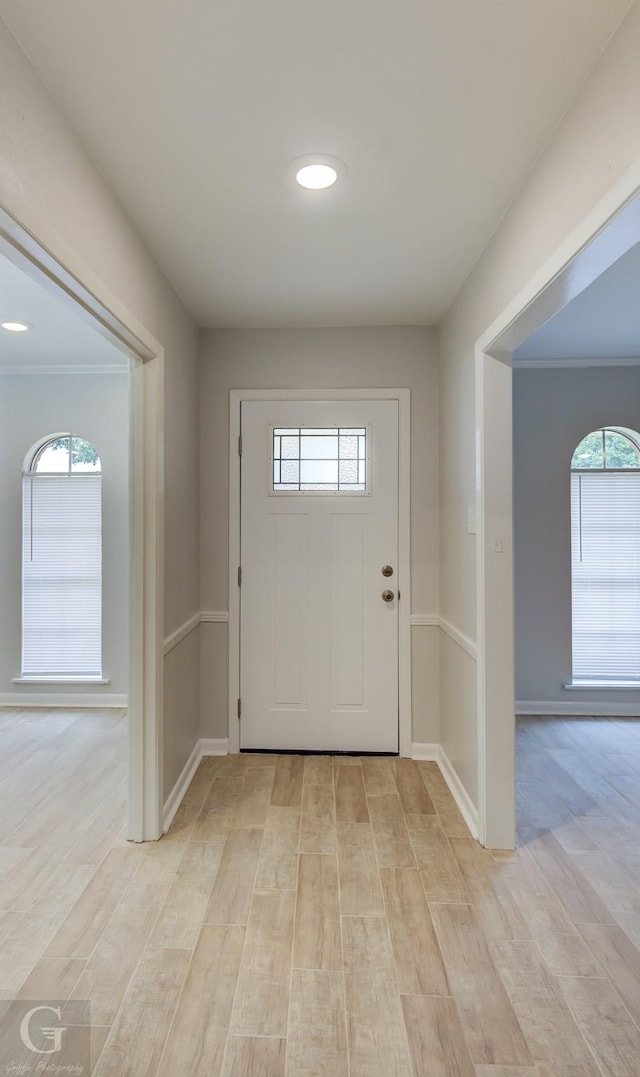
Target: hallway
(316, 916)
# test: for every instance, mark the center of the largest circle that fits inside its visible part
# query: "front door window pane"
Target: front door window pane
(312, 460)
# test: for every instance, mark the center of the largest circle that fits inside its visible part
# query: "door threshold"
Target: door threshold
(314, 751)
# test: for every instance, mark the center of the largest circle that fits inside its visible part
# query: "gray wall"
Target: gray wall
(552, 412)
(95, 407)
(320, 358)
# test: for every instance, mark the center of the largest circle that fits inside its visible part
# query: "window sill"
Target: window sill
(599, 686)
(60, 680)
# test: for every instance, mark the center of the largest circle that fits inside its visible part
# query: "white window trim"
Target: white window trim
(598, 686)
(60, 680)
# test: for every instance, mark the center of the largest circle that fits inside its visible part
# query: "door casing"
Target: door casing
(403, 397)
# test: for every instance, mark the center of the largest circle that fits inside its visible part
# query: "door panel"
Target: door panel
(347, 609)
(319, 646)
(289, 606)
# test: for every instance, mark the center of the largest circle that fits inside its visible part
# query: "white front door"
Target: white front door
(319, 616)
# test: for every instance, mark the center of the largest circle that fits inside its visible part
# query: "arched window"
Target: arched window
(605, 557)
(62, 560)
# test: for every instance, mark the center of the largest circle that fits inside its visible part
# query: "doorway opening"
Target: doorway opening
(611, 231)
(81, 355)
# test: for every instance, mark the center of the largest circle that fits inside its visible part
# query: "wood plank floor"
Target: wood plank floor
(319, 917)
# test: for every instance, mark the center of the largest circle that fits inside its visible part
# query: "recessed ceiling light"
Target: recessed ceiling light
(15, 327)
(316, 177)
(317, 171)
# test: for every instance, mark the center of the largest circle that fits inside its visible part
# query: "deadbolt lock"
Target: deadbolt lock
(387, 570)
(387, 596)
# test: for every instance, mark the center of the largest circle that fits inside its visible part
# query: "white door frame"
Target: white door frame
(403, 397)
(65, 276)
(609, 230)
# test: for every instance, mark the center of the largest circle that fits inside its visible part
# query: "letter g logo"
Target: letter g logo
(54, 1035)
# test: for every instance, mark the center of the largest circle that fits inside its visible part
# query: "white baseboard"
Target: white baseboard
(570, 709)
(435, 753)
(202, 747)
(176, 796)
(64, 700)
(428, 752)
(467, 808)
(211, 746)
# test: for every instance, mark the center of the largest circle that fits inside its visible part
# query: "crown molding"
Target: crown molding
(575, 362)
(43, 368)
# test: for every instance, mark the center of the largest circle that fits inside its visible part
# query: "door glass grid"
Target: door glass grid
(328, 459)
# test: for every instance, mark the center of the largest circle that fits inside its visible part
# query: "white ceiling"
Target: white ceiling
(59, 337)
(193, 110)
(602, 322)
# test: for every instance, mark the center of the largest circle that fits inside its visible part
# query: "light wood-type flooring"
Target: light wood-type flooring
(319, 917)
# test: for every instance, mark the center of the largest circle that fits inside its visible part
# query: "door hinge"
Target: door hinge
(240, 445)
(239, 576)
(239, 709)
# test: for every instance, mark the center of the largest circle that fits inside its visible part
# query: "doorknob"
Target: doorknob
(387, 596)
(387, 570)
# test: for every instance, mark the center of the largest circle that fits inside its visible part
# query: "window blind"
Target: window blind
(605, 561)
(62, 575)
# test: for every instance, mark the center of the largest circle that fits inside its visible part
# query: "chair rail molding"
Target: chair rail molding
(425, 620)
(198, 618)
(463, 641)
